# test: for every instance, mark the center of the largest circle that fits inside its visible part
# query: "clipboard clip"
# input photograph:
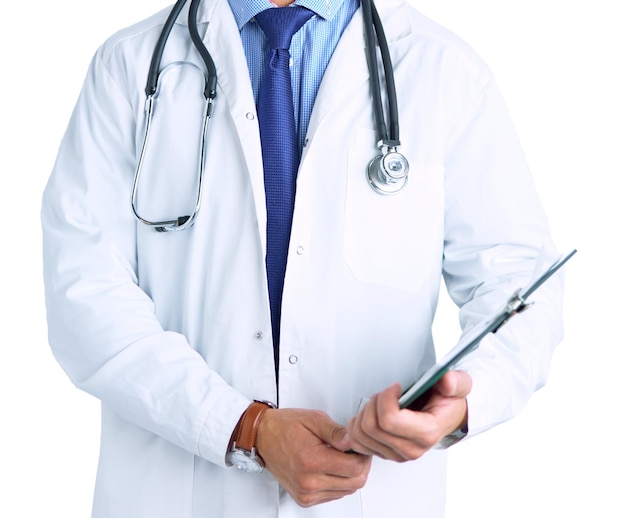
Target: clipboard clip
(516, 304)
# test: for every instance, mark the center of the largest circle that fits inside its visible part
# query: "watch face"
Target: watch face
(242, 460)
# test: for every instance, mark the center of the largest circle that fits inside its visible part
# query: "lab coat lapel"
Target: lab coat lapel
(344, 76)
(347, 73)
(235, 90)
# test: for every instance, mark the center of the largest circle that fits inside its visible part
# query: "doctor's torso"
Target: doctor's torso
(363, 269)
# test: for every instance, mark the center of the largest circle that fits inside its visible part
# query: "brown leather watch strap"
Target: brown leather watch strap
(245, 433)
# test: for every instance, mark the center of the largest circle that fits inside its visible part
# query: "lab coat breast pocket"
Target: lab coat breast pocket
(394, 240)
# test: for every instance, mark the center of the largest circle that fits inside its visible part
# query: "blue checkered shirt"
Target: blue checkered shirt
(311, 48)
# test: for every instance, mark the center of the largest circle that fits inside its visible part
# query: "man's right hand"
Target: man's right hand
(305, 451)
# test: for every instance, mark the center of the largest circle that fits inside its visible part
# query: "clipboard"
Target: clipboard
(416, 395)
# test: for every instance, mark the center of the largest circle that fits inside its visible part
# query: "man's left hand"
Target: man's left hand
(382, 428)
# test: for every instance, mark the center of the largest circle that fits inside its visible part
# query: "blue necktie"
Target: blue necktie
(281, 156)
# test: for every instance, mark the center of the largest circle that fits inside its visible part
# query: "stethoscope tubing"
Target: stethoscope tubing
(370, 54)
(374, 32)
(387, 138)
(157, 53)
(392, 97)
(210, 89)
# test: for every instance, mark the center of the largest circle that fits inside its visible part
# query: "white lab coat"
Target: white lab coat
(171, 331)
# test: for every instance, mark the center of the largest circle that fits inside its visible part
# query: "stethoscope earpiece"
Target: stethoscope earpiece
(388, 173)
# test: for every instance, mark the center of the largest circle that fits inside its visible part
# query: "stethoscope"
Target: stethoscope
(387, 173)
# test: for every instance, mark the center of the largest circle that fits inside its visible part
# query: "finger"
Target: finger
(328, 431)
(393, 448)
(402, 430)
(392, 421)
(454, 384)
(370, 437)
(306, 499)
(327, 461)
(387, 403)
(308, 490)
(385, 430)
(310, 486)
(345, 479)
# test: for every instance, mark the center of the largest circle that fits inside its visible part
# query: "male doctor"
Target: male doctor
(178, 333)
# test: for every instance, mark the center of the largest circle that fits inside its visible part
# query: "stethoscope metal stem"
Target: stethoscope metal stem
(181, 222)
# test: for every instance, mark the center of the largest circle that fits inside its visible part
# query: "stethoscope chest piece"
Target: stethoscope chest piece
(388, 173)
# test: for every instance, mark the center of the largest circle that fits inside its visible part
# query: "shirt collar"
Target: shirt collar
(245, 10)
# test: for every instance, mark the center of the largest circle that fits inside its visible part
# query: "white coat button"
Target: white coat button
(250, 116)
(299, 250)
(293, 359)
(258, 336)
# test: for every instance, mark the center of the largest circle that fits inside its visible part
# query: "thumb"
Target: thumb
(455, 384)
(331, 433)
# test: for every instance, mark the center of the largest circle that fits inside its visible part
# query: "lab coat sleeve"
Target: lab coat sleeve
(496, 235)
(102, 326)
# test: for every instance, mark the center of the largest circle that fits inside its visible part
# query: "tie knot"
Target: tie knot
(280, 23)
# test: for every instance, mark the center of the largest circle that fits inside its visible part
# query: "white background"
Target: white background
(560, 65)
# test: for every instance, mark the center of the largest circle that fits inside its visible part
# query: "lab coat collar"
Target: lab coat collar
(244, 11)
(206, 11)
(395, 23)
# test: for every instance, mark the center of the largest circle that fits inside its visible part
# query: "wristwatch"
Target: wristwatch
(242, 453)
